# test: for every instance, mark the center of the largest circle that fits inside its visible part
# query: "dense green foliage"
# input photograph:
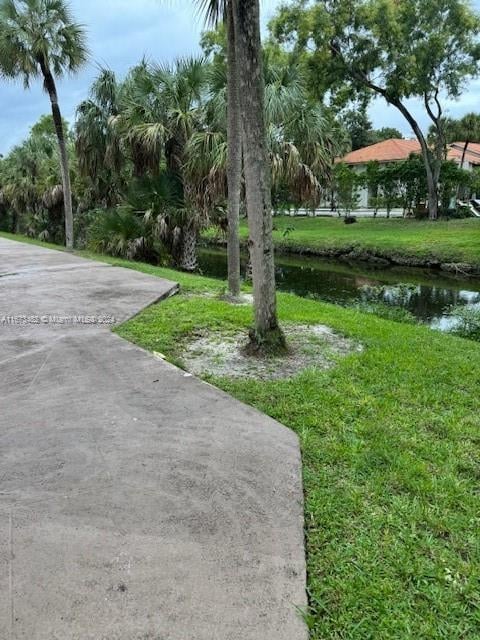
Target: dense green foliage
(155, 145)
(31, 193)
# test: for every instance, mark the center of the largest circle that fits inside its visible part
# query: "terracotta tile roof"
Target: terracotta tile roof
(385, 151)
(473, 146)
(456, 149)
(396, 149)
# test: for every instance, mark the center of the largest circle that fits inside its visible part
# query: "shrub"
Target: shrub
(459, 213)
(468, 322)
(123, 233)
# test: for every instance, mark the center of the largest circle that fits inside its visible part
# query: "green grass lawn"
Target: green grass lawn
(390, 441)
(445, 241)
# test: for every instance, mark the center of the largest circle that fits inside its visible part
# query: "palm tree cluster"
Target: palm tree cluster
(157, 144)
(31, 190)
(149, 153)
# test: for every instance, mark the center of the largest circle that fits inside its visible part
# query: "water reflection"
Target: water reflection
(426, 302)
(425, 293)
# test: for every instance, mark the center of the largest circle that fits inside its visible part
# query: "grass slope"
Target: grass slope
(27, 240)
(442, 241)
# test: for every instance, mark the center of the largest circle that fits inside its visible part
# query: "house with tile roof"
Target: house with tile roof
(395, 150)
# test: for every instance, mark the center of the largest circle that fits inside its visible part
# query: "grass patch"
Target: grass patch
(442, 241)
(27, 240)
(390, 441)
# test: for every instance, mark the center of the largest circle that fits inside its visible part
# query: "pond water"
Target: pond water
(428, 294)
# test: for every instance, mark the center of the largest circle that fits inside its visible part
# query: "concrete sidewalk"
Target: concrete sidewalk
(136, 502)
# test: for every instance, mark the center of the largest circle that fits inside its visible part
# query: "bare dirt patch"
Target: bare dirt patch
(221, 354)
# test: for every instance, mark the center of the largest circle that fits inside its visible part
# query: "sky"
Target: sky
(121, 32)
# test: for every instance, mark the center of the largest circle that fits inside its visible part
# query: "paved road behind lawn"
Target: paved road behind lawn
(136, 503)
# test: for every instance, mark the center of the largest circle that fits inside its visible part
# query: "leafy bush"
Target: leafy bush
(468, 319)
(459, 213)
(82, 222)
(347, 184)
(123, 233)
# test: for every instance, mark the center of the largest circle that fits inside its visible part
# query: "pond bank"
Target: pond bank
(452, 246)
(354, 253)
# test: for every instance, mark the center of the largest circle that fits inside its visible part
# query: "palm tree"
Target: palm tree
(215, 10)
(160, 110)
(303, 139)
(266, 334)
(182, 88)
(234, 171)
(245, 71)
(140, 121)
(38, 38)
(100, 157)
(469, 131)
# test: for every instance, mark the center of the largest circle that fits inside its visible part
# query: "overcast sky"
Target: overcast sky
(120, 32)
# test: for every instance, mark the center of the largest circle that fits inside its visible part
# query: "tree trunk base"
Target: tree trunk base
(234, 299)
(271, 343)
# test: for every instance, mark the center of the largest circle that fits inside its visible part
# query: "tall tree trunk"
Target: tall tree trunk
(432, 171)
(460, 189)
(266, 333)
(188, 260)
(432, 186)
(464, 153)
(51, 89)
(234, 169)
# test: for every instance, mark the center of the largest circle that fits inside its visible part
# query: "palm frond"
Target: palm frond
(213, 10)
